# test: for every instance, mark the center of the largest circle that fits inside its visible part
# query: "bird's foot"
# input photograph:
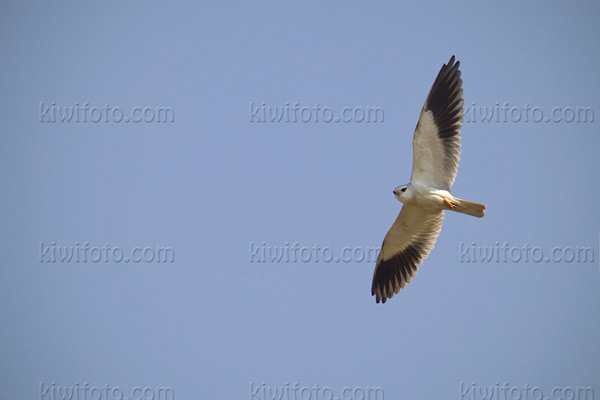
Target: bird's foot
(451, 205)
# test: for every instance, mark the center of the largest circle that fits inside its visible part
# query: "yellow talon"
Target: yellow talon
(451, 205)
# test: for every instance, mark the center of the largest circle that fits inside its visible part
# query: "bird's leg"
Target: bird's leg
(451, 205)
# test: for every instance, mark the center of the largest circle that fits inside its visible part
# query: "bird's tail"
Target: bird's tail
(466, 207)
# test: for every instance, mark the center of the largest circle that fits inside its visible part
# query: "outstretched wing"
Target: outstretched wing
(408, 242)
(436, 143)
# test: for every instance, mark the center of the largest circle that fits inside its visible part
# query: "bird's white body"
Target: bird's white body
(423, 196)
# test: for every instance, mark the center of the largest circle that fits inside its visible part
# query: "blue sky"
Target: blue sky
(210, 183)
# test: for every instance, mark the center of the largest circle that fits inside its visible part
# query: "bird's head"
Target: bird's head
(402, 193)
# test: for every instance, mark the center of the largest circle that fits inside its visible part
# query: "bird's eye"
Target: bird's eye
(403, 190)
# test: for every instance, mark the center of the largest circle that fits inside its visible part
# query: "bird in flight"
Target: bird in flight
(436, 152)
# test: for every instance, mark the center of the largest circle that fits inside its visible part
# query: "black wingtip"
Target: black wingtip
(445, 99)
(395, 273)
